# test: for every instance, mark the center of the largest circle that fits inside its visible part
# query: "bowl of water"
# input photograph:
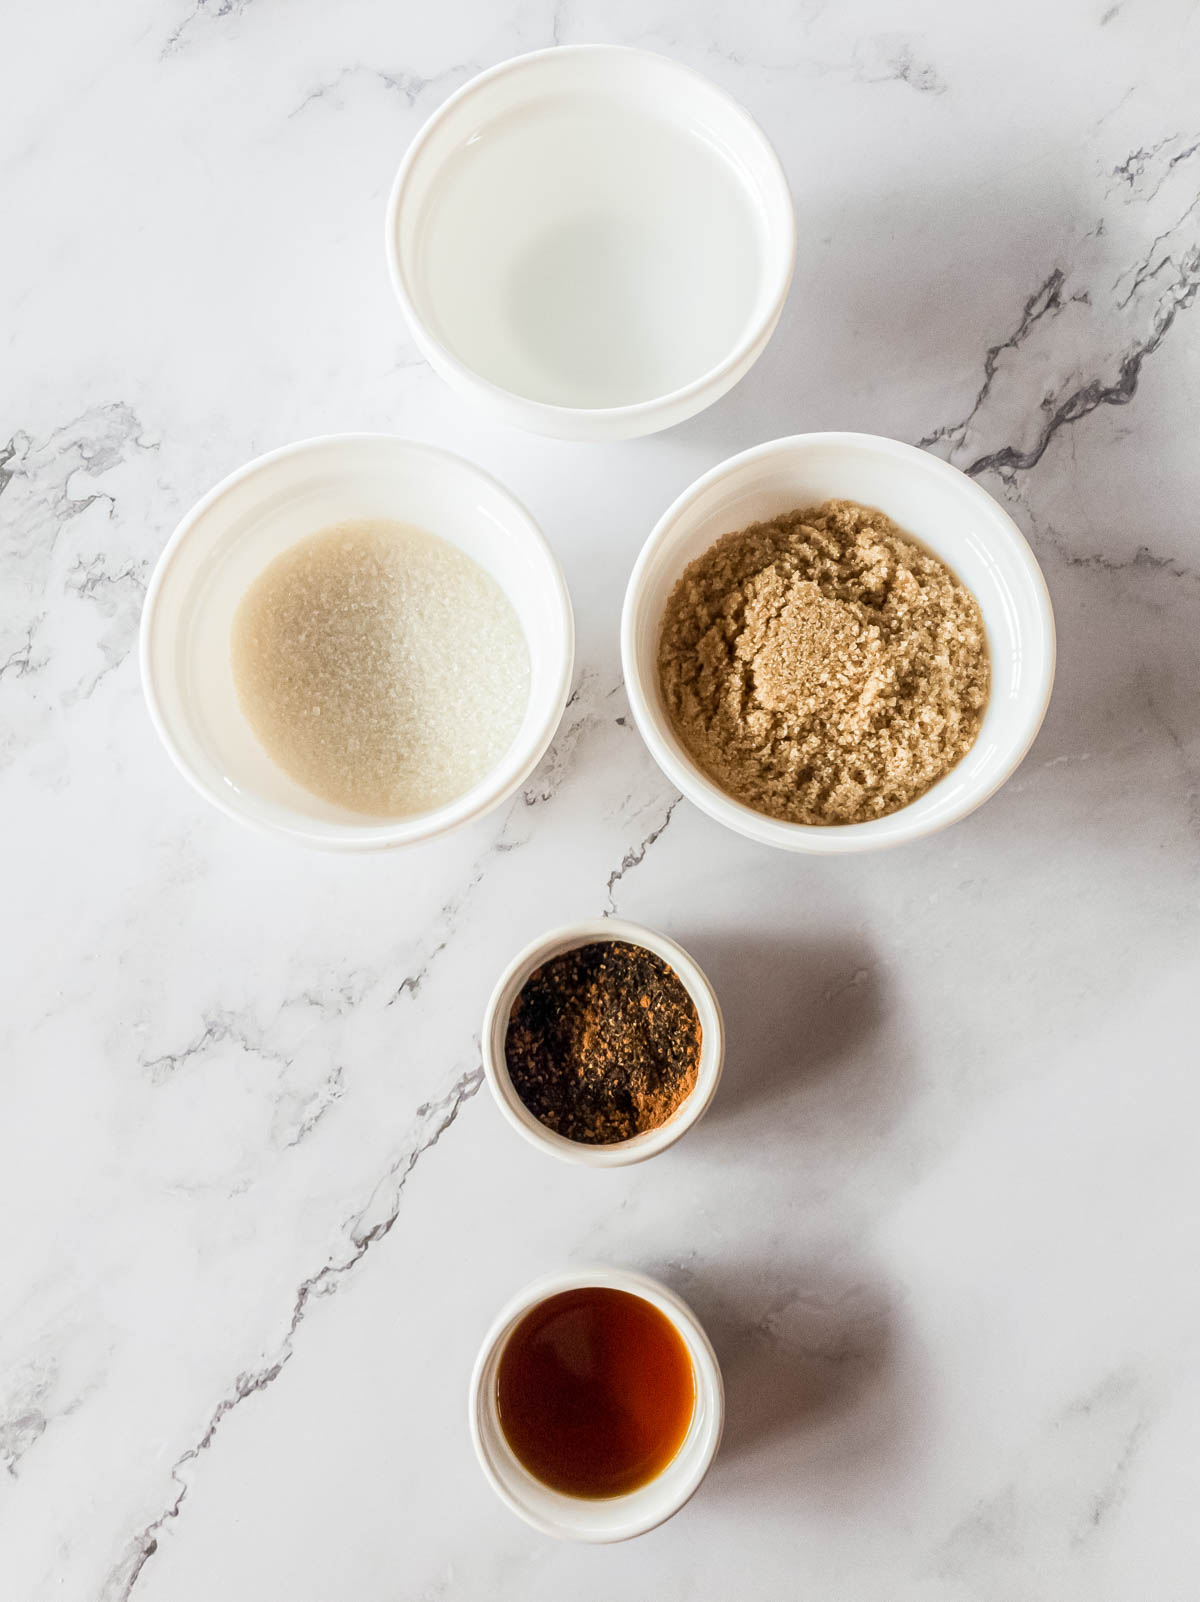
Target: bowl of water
(590, 241)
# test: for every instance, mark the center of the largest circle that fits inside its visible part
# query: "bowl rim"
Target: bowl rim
(848, 838)
(549, 413)
(567, 937)
(706, 1367)
(348, 837)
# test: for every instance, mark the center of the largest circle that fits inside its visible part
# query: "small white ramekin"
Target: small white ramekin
(447, 256)
(712, 1043)
(940, 507)
(226, 540)
(615, 1518)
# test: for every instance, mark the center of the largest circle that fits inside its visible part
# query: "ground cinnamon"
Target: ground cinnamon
(603, 1042)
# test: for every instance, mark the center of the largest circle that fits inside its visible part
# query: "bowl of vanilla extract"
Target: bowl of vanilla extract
(596, 1404)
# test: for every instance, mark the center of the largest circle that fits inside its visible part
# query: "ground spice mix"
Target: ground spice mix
(603, 1042)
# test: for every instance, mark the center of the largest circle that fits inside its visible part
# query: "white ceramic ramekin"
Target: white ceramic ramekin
(226, 540)
(592, 242)
(614, 1518)
(712, 1043)
(943, 509)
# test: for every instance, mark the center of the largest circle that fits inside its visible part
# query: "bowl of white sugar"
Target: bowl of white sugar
(357, 642)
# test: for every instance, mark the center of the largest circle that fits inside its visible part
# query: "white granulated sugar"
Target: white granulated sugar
(380, 666)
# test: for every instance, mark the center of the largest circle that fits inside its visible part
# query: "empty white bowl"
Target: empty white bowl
(941, 508)
(613, 1518)
(712, 1043)
(593, 242)
(226, 540)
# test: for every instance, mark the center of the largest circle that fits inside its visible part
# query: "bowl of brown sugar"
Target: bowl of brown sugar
(603, 1043)
(837, 643)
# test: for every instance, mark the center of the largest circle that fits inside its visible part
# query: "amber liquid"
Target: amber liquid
(595, 1391)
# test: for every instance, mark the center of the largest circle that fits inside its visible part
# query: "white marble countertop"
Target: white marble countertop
(257, 1212)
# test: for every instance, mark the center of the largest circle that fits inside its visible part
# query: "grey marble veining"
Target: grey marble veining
(259, 1210)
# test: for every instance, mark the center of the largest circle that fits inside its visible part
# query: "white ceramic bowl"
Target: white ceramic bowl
(614, 1518)
(226, 540)
(943, 509)
(712, 1043)
(590, 241)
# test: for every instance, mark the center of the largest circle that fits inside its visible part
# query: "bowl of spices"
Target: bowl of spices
(837, 642)
(591, 242)
(596, 1404)
(603, 1043)
(357, 642)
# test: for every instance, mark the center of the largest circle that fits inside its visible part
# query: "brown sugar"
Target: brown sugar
(824, 668)
(603, 1042)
